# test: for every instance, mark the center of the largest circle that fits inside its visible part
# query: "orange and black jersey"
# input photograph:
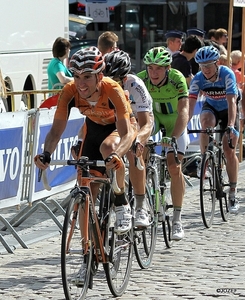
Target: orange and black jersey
(111, 106)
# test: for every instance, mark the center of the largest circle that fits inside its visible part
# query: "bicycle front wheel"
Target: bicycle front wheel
(74, 263)
(118, 268)
(145, 239)
(167, 217)
(207, 189)
(224, 182)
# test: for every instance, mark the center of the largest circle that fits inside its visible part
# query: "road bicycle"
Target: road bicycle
(158, 180)
(91, 240)
(214, 180)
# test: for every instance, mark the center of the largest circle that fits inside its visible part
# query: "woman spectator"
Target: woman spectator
(58, 73)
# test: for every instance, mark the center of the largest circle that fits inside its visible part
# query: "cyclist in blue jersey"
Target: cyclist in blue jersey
(217, 83)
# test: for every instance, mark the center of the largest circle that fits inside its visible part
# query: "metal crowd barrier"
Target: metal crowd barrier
(30, 207)
(28, 97)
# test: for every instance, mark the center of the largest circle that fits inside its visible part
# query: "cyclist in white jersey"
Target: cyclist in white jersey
(218, 85)
(118, 66)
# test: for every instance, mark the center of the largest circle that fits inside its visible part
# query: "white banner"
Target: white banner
(13, 128)
(240, 3)
(60, 178)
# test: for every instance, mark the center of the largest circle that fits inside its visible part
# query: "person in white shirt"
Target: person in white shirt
(174, 40)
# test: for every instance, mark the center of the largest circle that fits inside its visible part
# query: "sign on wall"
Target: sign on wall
(240, 3)
(98, 11)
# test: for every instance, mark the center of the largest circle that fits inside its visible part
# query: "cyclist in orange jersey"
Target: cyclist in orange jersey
(108, 133)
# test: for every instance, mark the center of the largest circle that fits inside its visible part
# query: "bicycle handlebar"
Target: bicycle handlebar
(173, 145)
(82, 162)
(211, 130)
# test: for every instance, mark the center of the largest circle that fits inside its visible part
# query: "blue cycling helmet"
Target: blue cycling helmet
(206, 53)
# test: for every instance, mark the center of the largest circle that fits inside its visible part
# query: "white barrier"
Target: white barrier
(13, 130)
(60, 178)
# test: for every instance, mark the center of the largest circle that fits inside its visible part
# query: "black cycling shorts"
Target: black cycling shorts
(221, 117)
(94, 137)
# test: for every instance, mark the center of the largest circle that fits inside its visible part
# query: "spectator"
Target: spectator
(196, 31)
(58, 73)
(223, 60)
(174, 40)
(107, 42)
(211, 34)
(236, 64)
(181, 60)
(200, 34)
(221, 38)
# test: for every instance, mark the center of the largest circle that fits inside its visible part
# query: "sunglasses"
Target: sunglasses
(207, 66)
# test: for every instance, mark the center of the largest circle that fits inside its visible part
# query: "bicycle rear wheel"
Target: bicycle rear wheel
(145, 239)
(120, 252)
(223, 199)
(207, 189)
(72, 255)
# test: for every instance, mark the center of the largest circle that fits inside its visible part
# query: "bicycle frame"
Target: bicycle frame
(157, 162)
(83, 188)
(215, 148)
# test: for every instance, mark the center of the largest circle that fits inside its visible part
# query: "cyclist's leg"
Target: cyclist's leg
(177, 187)
(232, 165)
(208, 118)
(138, 180)
(122, 207)
(93, 135)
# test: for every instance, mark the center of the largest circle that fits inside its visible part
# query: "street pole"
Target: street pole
(200, 14)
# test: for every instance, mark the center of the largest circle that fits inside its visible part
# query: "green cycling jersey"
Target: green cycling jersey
(165, 98)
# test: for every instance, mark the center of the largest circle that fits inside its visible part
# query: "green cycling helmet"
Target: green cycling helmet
(158, 56)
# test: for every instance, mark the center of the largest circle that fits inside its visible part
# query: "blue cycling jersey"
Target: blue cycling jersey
(215, 92)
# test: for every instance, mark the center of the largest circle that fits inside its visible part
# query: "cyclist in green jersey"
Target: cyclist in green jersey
(169, 92)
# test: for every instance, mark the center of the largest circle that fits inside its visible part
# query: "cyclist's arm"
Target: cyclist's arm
(58, 126)
(51, 141)
(54, 135)
(192, 103)
(183, 117)
(195, 88)
(232, 109)
(127, 135)
(145, 121)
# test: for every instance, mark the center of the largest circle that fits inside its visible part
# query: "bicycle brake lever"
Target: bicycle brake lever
(228, 131)
(174, 146)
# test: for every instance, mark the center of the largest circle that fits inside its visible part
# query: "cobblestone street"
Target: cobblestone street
(206, 264)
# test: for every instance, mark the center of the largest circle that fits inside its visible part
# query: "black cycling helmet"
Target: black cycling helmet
(207, 53)
(87, 60)
(117, 64)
